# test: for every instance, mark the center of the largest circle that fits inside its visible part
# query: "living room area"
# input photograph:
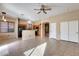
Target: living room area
(39, 29)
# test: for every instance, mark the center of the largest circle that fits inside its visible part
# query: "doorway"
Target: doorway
(36, 28)
(47, 29)
(20, 28)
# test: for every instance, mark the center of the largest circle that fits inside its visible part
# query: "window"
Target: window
(11, 27)
(6, 26)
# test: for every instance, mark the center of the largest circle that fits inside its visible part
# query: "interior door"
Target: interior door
(64, 30)
(73, 31)
(47, 29)
(52, 30)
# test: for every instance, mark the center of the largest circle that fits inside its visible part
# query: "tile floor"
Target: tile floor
(39, 47)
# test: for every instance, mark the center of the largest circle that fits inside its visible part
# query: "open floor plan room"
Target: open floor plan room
(39, 29)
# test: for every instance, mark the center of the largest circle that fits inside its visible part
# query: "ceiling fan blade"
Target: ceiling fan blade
(44, 12)
(48, 9)
(3, 12)
(39, 12)
(36, 9)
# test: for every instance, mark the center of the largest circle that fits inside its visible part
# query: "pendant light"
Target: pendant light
(3, 16)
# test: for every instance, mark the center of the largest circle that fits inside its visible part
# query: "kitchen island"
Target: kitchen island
(28, 34)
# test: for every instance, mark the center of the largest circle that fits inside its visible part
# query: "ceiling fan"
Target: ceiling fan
(43, 9)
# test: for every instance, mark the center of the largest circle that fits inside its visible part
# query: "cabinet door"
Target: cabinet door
(73, 31)
(64, 30)
(52, 33)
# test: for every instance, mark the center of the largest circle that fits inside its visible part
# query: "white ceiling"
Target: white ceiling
(16, 9)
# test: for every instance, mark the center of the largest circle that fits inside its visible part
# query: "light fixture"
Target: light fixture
(29, 25)
(5, 20)
(29, 22)
(3, 16)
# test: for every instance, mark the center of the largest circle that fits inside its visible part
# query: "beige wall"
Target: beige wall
(42, 26)
(15, 33)
(64, 17)
(74, 15)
